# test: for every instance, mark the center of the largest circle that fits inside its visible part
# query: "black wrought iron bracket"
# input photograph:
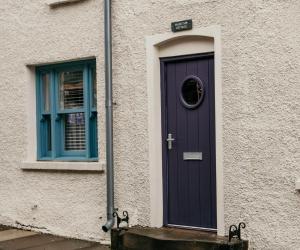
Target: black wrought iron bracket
(235, 231)
(120, 220)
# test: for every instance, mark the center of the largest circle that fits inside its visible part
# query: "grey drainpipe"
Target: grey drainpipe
(109, 118)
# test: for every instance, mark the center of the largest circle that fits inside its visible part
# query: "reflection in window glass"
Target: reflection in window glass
(71, 90)
(48, 132)
(46, 92)
(192, 92)
(94, 84)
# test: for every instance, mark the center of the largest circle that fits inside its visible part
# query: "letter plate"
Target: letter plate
(192, 156)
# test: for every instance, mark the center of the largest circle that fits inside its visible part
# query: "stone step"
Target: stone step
(139, 238)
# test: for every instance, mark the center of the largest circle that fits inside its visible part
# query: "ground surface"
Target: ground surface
(14, 239)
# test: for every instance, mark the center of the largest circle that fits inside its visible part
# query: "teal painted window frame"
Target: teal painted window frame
(53, 117)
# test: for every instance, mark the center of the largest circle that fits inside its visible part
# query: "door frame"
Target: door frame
(155, 48)
(164, 124)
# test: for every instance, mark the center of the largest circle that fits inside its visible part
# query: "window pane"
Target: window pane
(71, 90)
(94, 82)
(46, 92)
(74, 131)
(46, 136)
(191, 91)
(48, 132)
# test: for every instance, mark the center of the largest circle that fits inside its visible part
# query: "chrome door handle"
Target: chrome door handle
(170, 140)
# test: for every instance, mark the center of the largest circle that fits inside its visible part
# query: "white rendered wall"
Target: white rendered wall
(260, 81)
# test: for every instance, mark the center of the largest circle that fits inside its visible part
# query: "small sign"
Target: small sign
(182, 25)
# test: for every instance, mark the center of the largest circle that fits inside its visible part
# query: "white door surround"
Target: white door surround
(174, 44)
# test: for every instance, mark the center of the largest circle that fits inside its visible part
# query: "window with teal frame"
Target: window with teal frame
(67, 112)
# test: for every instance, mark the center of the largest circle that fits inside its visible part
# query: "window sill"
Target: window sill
(298, 184)
(56, 3)
(64, 166)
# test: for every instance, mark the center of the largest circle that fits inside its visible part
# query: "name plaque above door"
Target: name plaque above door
(182, 25)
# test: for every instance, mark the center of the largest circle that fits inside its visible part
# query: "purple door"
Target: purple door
(188, 133)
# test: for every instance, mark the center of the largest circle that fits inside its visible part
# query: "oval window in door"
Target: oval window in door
(192, 92)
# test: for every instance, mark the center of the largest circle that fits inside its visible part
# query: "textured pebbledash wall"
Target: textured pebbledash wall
(260, 67)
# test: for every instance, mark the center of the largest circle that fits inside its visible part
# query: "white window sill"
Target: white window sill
(56, 3)
(64, 166)
(298, 184)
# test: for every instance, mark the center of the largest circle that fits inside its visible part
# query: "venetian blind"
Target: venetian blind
(71, 90)
(75, 131)
(71, 97)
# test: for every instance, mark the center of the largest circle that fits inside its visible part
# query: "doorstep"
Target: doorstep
(138, 238)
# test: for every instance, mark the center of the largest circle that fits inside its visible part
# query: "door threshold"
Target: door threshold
(212, 230)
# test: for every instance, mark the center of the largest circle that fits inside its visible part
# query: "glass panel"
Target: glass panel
(74, 131)
(71, 90)
(94, 85)
(48, 132)
(192, 91)
(94, 137)
(46, 92)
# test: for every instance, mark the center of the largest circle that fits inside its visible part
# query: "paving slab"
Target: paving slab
(2, 227)
(14, 234)
(97, 247)
(67, 244)
(29, 241)
(15, 239)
